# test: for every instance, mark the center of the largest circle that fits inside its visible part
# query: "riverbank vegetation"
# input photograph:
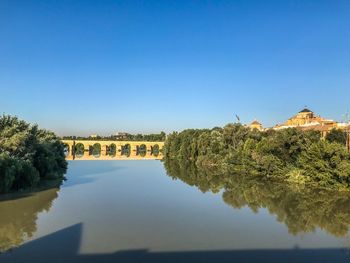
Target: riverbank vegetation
(28, 155)
(289, 155)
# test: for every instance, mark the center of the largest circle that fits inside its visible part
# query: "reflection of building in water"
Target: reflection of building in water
(18, 215)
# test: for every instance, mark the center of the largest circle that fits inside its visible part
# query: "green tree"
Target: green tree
(28, 154)
(336, 135)
(290, 155)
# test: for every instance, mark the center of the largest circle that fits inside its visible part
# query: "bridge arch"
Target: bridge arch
(67, 149)
(142, 150)
(79, 150)
(112, 150)
(95, 150)
(126, 150)
(155, 150)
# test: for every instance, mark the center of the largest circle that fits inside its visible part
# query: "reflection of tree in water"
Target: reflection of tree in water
(18, 215)
(300, 209)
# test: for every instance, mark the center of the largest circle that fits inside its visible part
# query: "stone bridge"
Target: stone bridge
(122, 149)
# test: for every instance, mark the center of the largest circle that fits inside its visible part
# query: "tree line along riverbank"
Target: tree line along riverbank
(289, 155)
(29, 155)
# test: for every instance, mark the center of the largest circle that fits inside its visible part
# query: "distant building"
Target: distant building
(256, 125)
(307, 117)
(122, 135)
(307, 120)
(94, 136)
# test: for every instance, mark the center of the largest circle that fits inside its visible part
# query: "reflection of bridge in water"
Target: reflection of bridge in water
(112, 150)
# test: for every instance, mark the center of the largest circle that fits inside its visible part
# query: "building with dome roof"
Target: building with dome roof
(256, 125)
(308, 120)
(305, 120)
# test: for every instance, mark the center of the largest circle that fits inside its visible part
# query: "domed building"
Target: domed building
(256, 125)
(303, 117)
(306, 118)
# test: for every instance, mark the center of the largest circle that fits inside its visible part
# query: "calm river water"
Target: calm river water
(132, 211)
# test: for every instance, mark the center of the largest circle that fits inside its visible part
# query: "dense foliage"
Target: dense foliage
(290, 154)
(302, 208)
(336, 135)
(28, 155)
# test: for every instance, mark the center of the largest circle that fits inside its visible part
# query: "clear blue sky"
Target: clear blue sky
(82, 67)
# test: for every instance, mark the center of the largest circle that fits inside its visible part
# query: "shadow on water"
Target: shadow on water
(64, 245)
(86, 172)
(78, 180)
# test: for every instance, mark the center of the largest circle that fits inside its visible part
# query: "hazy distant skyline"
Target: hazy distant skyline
(83, 67)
